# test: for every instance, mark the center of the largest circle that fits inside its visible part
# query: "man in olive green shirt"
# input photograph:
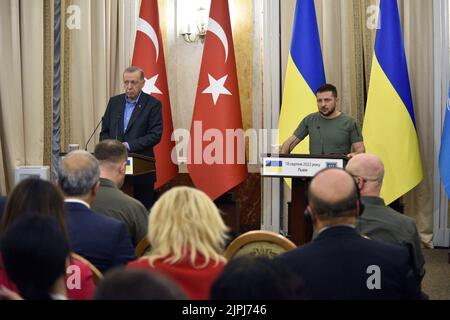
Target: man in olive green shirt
(330, 131)
(110, 200)
(378, 221)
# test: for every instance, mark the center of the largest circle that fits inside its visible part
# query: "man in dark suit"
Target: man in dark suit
(339, 264)
(102, 240)
(135, 119)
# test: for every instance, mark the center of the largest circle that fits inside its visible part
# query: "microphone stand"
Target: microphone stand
(92, 135)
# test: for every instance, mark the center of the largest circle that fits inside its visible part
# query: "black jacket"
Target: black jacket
(338, 265)
(144, 129)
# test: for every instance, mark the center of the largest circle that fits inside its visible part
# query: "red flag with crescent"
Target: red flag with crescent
(216, 156)
(149, 56)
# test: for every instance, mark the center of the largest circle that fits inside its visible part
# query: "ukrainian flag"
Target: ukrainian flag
(389, 125)
(274, 166)
(304, 74)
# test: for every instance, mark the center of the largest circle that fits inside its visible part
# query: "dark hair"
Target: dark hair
(327, 88)
(111, 151)
(128, 284)
(34, 196)
(256, 278)
(344, 207)
(34, 252)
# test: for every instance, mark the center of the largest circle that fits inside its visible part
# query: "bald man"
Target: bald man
(340, 264)
(380, 222)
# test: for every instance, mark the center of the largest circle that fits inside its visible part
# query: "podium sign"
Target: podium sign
(129, 169)
(297, 167)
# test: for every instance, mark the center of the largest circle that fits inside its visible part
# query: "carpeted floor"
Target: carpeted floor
(436, 282)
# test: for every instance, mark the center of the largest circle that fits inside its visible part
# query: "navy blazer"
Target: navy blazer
(144, 129)
(335, 267)
(102, 240)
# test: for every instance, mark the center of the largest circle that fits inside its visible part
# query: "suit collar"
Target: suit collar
(373, 200)
(337, 231)
(77, 202)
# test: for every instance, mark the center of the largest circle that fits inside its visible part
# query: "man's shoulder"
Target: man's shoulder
(119, 97)
(385, 213)
(114, 198)
(147, 99)
(312, 116)
(343, 117)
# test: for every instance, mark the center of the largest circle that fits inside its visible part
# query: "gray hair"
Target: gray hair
(135, 69)
(78, 172)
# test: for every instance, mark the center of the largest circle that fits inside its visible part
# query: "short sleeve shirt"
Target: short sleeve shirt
(329, 136)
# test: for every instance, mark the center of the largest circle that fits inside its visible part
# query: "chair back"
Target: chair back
(142, 247)
(98, 276)
(259, 243)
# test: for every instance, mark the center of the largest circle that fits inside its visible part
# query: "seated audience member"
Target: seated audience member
(35, 252)
(378, 221)
(256, 278)
(340, 264)
(127, 284)
(110, 201)
(101, 240)
(42, 197)
(187, 237)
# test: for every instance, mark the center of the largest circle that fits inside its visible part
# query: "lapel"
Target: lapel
(137, 110)
(120, 132)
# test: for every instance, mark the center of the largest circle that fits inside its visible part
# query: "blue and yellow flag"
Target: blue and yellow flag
(389, 128)
(304, 73)
(444, 153)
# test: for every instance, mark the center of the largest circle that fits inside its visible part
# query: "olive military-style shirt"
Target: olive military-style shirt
(112, 202)
(329, 136)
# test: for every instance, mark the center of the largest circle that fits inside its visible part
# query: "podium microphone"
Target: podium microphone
(321, 140)
(92, 135)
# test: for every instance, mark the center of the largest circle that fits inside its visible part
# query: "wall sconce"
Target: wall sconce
(197, 26)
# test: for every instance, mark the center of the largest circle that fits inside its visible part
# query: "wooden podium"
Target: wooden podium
(301, 168)
(137, 165)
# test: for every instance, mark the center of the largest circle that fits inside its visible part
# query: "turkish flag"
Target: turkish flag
(149, 56)
(216, 156)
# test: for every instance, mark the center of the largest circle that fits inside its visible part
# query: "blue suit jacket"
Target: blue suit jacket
(144, 129)
(102, 240)
(335, 266)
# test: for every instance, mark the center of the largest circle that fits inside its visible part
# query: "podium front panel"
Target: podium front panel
(297, 167)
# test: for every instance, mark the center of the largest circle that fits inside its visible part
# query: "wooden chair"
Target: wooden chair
(142, 247)
(98, 276)
(259, 243)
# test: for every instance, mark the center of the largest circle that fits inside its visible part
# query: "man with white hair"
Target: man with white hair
(103, 241)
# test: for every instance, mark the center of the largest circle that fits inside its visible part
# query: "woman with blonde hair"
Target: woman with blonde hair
(187, 236)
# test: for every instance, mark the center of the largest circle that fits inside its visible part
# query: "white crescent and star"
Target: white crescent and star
(217, 86)
(148, 30)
